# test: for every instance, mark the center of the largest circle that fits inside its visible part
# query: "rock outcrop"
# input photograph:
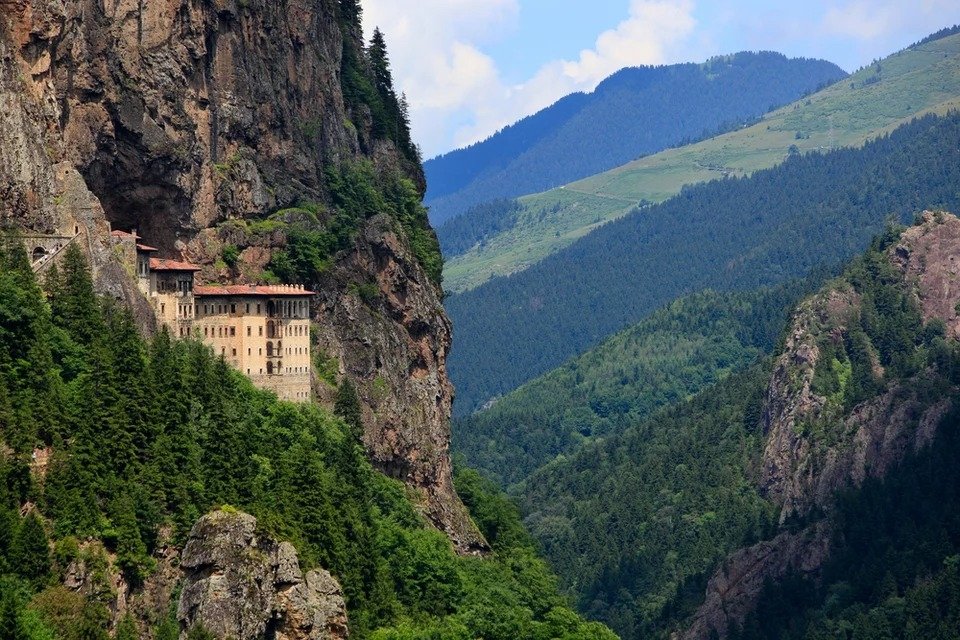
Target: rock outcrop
(814, 448)
(733, 590)
(392, 339)
(928, 255)
(244, 585)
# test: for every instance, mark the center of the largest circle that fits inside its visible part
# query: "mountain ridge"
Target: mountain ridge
(919, 79)
(736, 233)
(631, 113)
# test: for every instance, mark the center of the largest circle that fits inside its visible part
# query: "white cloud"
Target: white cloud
(456, 93)
(860, 20)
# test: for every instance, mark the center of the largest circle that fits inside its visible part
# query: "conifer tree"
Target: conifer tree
(31, 552)
(347, 406)
(351, 13)
(380, 64)
(10, 627)
(132, 554)
(74, 303)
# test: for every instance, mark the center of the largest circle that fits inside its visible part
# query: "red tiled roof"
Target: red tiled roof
(159, 264)
(250, 290)
(143, 247)
(117, 233)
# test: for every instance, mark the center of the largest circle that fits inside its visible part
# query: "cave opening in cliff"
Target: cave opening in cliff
(140, 192)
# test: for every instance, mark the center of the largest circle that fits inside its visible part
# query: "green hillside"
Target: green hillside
(678, 351)
(145, 437)
(920, 79)
(636, 523)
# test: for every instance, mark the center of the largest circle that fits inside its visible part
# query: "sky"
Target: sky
(471, 67)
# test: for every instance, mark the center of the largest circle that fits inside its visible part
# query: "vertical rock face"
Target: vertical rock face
(171, 116)
(241, 584)
(392, 339)
(803, 468)
(181, 112)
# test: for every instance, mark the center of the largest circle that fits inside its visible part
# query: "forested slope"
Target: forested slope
(738, 233)
(679, 350)
(920, 79)
(634, 112)
(112, 446)
(855, 405)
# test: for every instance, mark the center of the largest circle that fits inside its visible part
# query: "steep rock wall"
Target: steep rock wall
(172, 116)
(393, 343)
(803, 467)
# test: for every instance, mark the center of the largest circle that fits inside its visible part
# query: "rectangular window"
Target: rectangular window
(233, 308)
(233, 331)
(258, 308)
(248, 307)
(261, 332)
(163, 308)
(248, 331)
(205, 310)
(249, 352)
(234, 353)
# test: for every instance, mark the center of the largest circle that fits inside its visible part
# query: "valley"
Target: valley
(871, 102)
(676, 357)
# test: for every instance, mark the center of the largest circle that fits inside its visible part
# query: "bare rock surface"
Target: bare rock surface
(929, 257)
(733, 589)
(814, 448)
(392, 338)
(243, 585)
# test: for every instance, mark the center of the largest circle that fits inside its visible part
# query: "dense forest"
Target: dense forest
(635, 112)
(482, 221)
(894, 570)
(736, 233)
(679, 350)
(111, 446)
(636, 523)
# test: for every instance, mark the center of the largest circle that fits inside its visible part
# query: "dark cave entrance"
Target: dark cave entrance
(141, 189)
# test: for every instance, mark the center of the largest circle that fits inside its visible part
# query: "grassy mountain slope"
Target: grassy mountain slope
(636, 523)
(676, 352)
(738, 233)
(634, 112)
(924, 78)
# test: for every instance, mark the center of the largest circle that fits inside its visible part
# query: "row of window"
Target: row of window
(279, 369)
(285, 308)
(165, 285)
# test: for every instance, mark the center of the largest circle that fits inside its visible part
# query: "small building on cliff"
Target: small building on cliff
(261, 330)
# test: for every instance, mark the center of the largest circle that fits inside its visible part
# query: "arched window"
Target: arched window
(269, 368)
(38, 253)
(269, 349)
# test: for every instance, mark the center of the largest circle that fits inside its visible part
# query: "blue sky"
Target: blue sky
(470, 67)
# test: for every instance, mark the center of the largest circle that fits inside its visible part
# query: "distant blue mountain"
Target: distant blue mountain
(634, 112)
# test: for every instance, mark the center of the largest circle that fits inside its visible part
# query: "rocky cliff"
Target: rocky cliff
(393, 343)
(815, 445)
(240, 583)
(174, 116)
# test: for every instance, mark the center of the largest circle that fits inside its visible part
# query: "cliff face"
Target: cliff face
(392, 339)
(242, 584)
(816, 447)
(172, 116)
(178, 113)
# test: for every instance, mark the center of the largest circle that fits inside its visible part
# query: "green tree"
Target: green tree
(347, 406)
(31, 552)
